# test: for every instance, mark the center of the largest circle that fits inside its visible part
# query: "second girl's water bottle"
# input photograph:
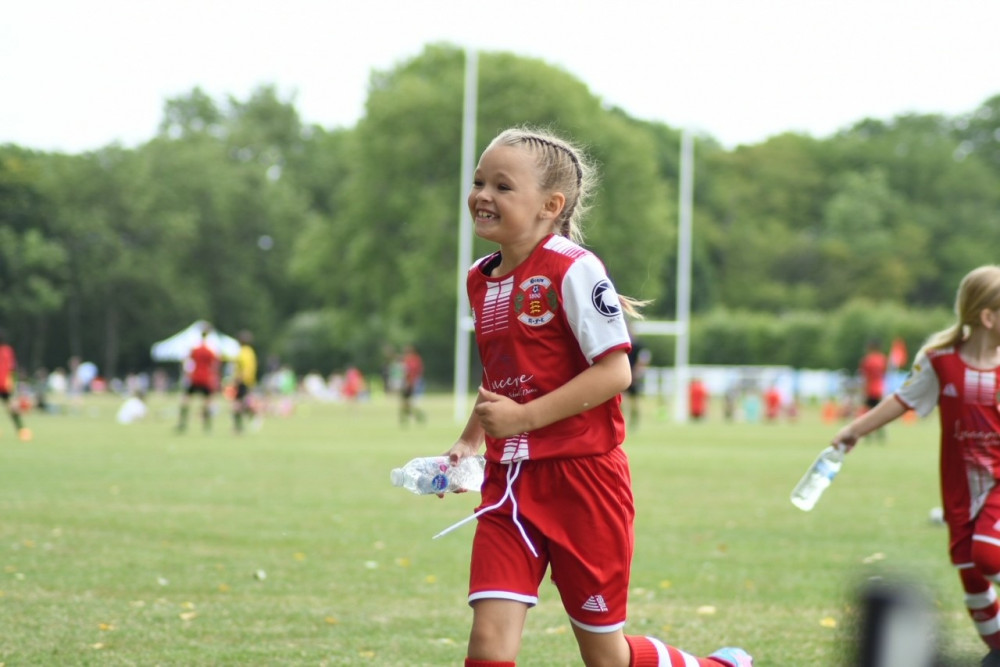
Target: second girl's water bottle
(818, 477)
(434, 474)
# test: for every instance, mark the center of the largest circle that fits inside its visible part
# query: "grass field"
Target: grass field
(131, 545)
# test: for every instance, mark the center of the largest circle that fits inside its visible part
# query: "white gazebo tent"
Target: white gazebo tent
(179, 346)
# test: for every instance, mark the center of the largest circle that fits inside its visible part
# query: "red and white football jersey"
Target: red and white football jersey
(536, 329)
(967, 404)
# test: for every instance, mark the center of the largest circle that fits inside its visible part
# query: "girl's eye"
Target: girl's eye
(503, 186)
(478, 183)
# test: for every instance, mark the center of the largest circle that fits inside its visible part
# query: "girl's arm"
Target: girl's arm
(888, 409)
(502, 417)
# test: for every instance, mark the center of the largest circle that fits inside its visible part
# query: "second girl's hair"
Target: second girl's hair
(979, 289)
(563, 167)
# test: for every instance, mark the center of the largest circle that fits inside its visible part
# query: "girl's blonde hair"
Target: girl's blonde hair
(979, 290)
(563, 167)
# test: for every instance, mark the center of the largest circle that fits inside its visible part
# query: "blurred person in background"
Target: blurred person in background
(413, 381)
(8, 386)
(202, 378)
(697, 399)
(639, 358)
(872, 368)
(246, 381)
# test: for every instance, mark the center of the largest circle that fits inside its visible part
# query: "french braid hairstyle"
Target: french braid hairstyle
(563, 167)
(979, 289)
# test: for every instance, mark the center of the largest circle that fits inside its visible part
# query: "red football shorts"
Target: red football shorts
(978, 541)
(578, 515)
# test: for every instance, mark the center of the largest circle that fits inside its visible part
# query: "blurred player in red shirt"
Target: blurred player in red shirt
(8, 386)
(897, 354)
(872, 368)
(772, 403)
(413, 379)
(697, 399)
(202, 378)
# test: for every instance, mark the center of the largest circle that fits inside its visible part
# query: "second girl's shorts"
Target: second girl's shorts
(983, 531)
(578, 514)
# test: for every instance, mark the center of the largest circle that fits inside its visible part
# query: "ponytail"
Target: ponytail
(949, 337)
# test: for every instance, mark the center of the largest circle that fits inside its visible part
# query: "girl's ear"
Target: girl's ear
(554, 205)
(987, 317)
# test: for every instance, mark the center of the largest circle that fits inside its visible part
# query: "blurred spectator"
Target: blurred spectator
(8, 386)
(639, 358)
(354, 387)
(772, 403)
(133, 409)
(751, 406)
(58, 384)
(413, 382)
(729, 403)
(872, 368)
(697, 399)
(40, 389)
(316, 387)
(245, 381)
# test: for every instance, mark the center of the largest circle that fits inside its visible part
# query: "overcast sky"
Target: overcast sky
(76, 76)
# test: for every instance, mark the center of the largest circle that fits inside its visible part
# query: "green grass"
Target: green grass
(130, 545)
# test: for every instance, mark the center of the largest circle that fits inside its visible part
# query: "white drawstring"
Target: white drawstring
(512, 472)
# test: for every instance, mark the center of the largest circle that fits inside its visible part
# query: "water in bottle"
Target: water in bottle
(818, 478)
(435, 474)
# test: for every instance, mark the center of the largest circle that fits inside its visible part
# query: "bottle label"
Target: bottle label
(439, 483)
(826, 470)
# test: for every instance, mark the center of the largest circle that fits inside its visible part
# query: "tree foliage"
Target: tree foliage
(332, 243)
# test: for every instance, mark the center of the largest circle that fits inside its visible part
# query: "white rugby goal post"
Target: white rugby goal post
(679, 328)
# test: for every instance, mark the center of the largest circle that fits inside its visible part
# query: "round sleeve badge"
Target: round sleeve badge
(605, 299)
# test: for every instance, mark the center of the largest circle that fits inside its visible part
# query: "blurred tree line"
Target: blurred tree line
(330, 244)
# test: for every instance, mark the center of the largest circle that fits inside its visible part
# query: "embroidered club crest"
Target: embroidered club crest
(536, 301)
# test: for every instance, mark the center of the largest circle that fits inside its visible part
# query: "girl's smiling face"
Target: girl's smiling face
(506, 202)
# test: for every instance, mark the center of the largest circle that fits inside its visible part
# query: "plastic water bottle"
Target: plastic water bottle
(818, 478)
(434, 474)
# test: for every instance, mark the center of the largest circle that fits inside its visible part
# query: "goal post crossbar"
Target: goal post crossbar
(659, 327)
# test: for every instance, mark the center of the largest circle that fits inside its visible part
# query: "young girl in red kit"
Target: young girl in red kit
(553, 342)
(958, 371)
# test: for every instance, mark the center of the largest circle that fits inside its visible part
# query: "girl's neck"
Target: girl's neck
(512, 256)
(980, 350)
